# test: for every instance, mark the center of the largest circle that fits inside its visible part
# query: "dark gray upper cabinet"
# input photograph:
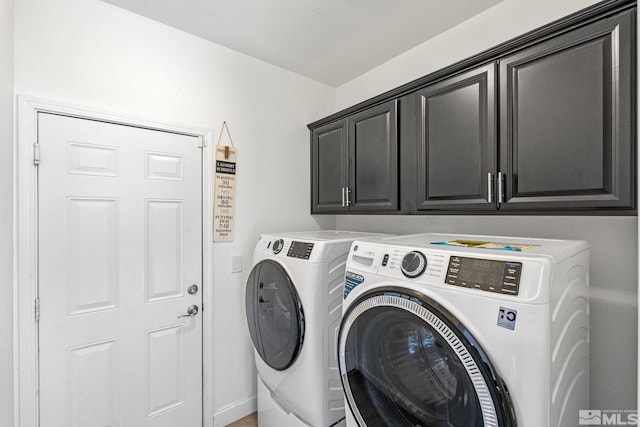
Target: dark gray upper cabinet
(373, 159)
(542, 124)
(455, 142)
(328, 167)
(566, 137)
(354, 162)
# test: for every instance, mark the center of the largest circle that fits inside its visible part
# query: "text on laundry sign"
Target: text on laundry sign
(225, 167)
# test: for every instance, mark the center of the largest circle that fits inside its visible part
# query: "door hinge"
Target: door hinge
(36, 309)
(36, 154)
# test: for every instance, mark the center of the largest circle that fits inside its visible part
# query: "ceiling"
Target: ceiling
(331, 41)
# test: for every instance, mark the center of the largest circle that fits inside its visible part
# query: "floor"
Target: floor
(248, 421)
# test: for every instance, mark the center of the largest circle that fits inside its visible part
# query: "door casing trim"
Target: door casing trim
(25, 241)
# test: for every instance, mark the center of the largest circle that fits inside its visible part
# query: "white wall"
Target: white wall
(6, 207)
(614, 281)
(506, 20)
(89, 53)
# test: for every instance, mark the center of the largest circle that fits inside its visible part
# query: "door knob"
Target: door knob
(191, 311)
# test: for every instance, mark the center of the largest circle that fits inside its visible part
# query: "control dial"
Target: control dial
(413, 264)
(277, 246)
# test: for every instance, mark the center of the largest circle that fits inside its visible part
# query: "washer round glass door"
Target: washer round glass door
(404, 362)
(274, 315)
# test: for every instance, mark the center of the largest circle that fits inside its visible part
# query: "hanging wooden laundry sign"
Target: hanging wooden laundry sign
(225, 190)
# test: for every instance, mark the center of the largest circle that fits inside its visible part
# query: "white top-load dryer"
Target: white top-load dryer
(474, 331)
(294, 308)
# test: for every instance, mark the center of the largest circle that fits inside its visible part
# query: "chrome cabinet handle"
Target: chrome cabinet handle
(191, 311)
(500, 177)
(490, 187)
(347, 192)
(343, 197)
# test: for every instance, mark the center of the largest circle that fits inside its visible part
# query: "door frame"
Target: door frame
(25, 238)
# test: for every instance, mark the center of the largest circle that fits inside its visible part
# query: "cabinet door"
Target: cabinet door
(328, 167)
(373, 159)
(566, 128)
(455, 142)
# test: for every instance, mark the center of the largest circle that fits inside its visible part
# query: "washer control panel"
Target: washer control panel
(300, 250)
(492, 273)
(286, 247)
(488, 275)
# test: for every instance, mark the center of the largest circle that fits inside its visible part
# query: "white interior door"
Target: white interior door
(120, 244)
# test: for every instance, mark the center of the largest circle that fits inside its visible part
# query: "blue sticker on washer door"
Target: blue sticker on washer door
(351, 280)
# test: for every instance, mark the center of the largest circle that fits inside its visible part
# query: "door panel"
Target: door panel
(328, 154)
(373, 157)
(164, 258)
(166, 369)
(566, 130)
(456, 136)
(93, 378)
(93, 252)
(120, 240)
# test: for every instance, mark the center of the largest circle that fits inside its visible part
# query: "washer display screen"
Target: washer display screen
(300, 250)
(488, 275)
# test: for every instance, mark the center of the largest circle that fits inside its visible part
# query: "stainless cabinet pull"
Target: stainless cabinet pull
(489, 187)
(343, 204)
(348, 191)
(500, 197)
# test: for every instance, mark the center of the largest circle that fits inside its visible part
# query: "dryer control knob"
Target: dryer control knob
(277, 246)
(413, 264)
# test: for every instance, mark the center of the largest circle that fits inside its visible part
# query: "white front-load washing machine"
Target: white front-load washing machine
(453, 330)
(293, 308)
